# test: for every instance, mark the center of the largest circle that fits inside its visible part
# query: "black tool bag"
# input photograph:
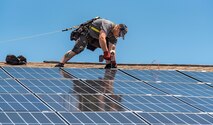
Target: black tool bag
(22, 60)
(13, 60)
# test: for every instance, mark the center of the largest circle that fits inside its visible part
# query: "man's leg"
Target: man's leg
(68, 56)
(81, 43)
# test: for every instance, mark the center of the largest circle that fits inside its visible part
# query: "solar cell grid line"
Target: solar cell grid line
(21, 102)
(3, 75)
(189, 89)
(79, 103)
(18, 72)
(11, 86)
(35, 118)
(201, 76)
(46, 86)
(57, 86)
(159, 76)
(155, 103)
(177, 118)
(123, 87)
(35, 73)
(203, 103)
(96, 74)
(112, 118)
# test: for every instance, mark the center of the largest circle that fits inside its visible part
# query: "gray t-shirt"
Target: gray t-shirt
(106, 26)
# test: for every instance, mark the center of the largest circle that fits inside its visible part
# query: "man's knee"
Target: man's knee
(80, 45)
(78, 50)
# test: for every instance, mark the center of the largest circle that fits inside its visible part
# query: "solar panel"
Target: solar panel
(98, 96)
(122, 87)
(21, 102)
(203, 103)
(36, 118)
(56, 86)
(183, 89)
(155, 103)
(81, 102)
(35, 73)
(159, 76)
(99, 118)
(202, 76)
(101, 74)
(3, 75)
(177, 118)
(11, 86)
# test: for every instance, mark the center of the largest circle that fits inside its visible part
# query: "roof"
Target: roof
(188, 67)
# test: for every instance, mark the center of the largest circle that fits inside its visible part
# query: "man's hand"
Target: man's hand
(107, 55)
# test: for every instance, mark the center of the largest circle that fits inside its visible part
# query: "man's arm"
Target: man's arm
(103, 44)
(102, 40)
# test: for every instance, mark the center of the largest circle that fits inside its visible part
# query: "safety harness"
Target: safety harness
(94, 29)
(82, 29)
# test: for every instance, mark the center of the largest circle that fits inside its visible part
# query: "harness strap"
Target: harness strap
(94, 29)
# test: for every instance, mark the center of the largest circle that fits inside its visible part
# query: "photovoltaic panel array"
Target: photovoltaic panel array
(97, 96)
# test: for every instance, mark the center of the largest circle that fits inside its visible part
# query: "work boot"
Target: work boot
(59, 65)
(108, 66)
(113, 64)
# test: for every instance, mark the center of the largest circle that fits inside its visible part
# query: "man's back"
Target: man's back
(101, 24)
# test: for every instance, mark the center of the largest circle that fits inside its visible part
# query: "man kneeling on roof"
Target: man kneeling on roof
(101, 33)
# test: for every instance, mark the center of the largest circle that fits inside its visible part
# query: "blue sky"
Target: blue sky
(160, 31)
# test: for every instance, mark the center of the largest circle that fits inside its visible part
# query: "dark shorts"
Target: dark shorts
(83, 41)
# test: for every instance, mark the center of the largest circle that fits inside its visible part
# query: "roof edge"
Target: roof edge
(130, 64)
(181, 67)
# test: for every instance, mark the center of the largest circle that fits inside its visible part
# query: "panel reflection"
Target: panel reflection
(86, 95)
